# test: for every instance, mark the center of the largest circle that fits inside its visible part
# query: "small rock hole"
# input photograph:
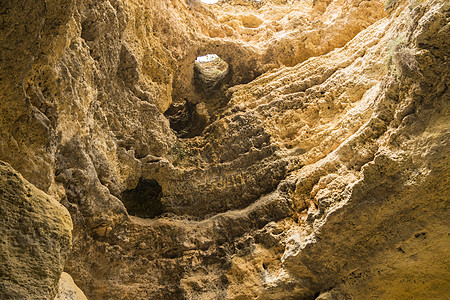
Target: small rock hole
(145, 200)
(187, 119)
(422, 235)
(210, 72)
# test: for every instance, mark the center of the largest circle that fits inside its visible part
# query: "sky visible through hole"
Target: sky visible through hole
(207, 58)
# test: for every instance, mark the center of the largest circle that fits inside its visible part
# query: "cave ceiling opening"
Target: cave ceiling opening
(210, 71)
(242, 149)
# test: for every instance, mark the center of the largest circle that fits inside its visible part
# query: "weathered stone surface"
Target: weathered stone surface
(68, 290)
(210, 72)
(35, 239)
(318, 166)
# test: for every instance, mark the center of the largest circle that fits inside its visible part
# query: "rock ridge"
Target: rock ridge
(315, 168)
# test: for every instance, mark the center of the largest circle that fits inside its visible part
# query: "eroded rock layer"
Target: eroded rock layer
(314, 165)
(35, 239)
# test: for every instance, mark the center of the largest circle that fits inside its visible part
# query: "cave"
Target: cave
(187, 119)
(180, 116)
(144, 200)
(210, 72)
(224, 149)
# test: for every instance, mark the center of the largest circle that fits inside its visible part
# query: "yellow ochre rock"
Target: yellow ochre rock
(273, 149)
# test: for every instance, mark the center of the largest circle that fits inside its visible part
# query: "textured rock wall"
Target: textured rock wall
(67, 290)
(35, 239)
(322, 170)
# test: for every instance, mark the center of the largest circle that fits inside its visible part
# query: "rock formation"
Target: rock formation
(67, 290)
(309, 162)
(35, 239)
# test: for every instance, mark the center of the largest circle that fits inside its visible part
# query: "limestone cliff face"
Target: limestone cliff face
(316, 168)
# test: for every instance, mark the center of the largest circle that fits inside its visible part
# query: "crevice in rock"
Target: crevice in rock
(187, 119)
(140, 150)
(144, 200)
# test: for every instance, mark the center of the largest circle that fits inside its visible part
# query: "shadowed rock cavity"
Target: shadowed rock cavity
(145, 200)
(187, 119)
(210, 72)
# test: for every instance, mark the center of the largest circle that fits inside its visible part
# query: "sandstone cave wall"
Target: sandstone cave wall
(322, 168)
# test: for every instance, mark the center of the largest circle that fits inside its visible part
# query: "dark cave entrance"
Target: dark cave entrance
(189, 118)
(144, 200)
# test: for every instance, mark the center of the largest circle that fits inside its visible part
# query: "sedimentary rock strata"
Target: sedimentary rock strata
(308, 161)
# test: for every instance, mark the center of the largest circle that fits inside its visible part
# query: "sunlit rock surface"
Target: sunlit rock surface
(68, 290)
(309, 161)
